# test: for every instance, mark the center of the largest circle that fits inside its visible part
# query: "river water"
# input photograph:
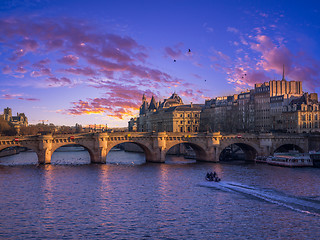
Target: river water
(130, 199)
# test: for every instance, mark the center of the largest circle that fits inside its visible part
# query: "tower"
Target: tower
(7, 113)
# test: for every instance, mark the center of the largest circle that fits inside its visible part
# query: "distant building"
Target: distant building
(220, 114)
(133, 125)
(302, 115)
(171, 115)
(269, 98)
(255, 110)
(95, 128)
(274, 106)
(18, 121)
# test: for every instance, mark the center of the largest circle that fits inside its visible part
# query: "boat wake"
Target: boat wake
(308, 206)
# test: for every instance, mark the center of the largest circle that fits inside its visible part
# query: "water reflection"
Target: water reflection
(48, 199)
(127, 158)
(155, 201)
(172, 159)
(104, 188)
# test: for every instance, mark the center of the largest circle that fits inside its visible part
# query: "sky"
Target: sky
(90, 62)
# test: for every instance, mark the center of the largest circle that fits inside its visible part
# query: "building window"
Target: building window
(188, 129)
(304, 125)
(180, 115)
(316, 117)
(181, 129)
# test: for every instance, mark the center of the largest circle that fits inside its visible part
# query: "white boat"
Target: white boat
(290, 160)
(315, 157)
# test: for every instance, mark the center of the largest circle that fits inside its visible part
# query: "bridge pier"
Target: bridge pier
(44, 156)
(45, 148)
(99, 157)
(158, 156)
(208, 156)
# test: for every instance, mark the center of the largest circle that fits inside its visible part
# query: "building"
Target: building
(220, 114)
(95, 128)
(255, 110)
(274, 106)
(171, 115)
(246, 111)
(302, 115)
(20, 120)
(269, 98)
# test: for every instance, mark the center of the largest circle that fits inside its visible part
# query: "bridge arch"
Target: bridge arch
(286, 147)
(149, 154)
(34, 150)
(250, 150)
(200, 153)
(88, 149)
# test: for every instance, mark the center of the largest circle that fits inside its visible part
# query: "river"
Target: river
(130, 199)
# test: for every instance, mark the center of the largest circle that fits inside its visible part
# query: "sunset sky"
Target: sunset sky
(89, 62)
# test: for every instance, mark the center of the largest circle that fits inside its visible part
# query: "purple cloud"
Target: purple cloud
(69, 60)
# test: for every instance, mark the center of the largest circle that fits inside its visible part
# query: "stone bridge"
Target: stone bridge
(207, 146)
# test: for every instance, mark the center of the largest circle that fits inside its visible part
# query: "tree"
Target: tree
(7, 128)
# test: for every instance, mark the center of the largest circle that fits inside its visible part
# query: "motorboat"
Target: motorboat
(212, 177)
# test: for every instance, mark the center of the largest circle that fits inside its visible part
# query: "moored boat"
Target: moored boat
(290, 160)
(315, 157)
(261, 159)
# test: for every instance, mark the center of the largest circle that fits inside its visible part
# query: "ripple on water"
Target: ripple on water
(155, 201)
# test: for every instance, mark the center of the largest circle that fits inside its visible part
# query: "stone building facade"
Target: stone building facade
(171, 115)
(19, 120)
(220, 114)
(274, 106)
(256, 110)
(302, 115)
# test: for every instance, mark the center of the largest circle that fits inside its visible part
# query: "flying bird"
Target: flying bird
(174, 60)
(189, 50)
